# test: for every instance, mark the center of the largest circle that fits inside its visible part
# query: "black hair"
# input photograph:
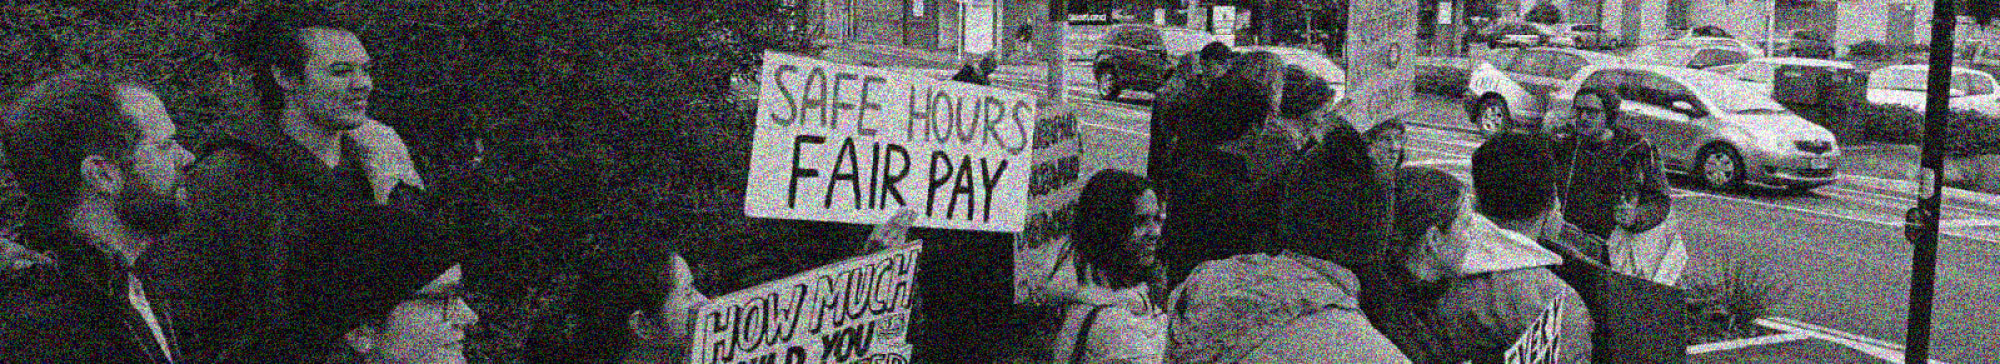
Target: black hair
(1104, 222)
(1606, 101)
(1512, 178)
(1304, 93)
(54, 125)
(1229, 107)
(1425, 198)
(1215, 51)
(274, 39)
(1335, 202)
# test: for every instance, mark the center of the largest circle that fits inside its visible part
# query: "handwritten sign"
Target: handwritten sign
(855, 311)
(853, 144)
(1380, 33)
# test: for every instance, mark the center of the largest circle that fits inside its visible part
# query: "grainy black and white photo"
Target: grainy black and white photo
(999, 181)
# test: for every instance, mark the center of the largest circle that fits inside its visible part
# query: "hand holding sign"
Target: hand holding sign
(894, 233)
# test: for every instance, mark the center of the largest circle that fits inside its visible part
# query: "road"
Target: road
(1838, 250)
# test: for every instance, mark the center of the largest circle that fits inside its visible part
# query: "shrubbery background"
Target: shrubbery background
(599, 127)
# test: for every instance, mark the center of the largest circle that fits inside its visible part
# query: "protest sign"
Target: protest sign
(854, 311)
(853, 144)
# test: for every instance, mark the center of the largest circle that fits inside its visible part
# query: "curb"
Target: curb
(1908, 189)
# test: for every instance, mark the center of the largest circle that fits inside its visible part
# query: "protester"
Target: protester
(1295, 301)
(1204, 184)
(1485, 294)
(1613, 177)
(97, 156)
(302, 169)
(624, 305)
(399, 301)
(1116, 318)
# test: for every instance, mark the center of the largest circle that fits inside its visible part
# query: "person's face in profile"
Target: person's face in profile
(429, 328)
(1149, 217)
(333, 87)
(152, 195)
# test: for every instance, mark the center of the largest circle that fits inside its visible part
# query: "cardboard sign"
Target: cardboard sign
(854, 144)
(1380, 49)
(855, 311)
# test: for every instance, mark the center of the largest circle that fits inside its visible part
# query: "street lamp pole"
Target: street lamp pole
(1922, 220)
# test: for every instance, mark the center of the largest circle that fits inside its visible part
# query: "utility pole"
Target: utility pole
(1921, 225)
(1051, 44)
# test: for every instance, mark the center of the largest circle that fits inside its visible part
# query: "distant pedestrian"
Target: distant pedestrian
(1613, 179)
(977, 73)
(1116, 317)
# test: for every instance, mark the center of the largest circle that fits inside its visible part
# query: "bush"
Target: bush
(1726, 309)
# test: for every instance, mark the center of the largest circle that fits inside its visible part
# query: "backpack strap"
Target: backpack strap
(1083, 335)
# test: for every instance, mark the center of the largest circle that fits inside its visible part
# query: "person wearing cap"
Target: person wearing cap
(399, 300)
(1470, 290)
(97, 157)
(1612, 176)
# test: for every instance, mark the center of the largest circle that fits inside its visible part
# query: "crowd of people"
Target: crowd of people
(298, 237)
(1271, 231)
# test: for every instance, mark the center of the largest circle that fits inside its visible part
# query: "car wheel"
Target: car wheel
(1107, 84)
(1719, 166)
(1492, 117)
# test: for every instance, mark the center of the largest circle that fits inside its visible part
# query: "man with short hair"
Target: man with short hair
(274, 183)
(97, 156)
(1502, 295)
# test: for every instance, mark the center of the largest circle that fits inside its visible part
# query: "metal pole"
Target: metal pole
(1923, 262)
(1051, 40)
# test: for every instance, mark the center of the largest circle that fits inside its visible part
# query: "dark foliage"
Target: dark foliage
(556, 131)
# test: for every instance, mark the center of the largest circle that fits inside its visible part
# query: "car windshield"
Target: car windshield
(1916, 79)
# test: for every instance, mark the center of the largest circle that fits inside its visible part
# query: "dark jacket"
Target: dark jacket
(76, 310)
(1203, 190)
(1598, 173)
(254, 197)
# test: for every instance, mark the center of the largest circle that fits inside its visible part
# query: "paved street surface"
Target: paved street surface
(1838, 249)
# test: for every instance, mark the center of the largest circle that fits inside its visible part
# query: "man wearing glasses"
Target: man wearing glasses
(1612, 176)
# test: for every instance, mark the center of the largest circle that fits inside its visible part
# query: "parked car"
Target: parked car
(1716, 128)
(1696, 55)
(1582, 35)
(1905, 85)
(1509, 87)
(1513, 34)
(1763, 71)
(1141, 57)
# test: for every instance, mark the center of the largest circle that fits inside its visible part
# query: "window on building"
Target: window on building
(1677, 14)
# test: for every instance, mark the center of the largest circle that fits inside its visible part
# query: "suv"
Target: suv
(1509, 88)
(1581, 35)
(1513, 33)
(1141, 57)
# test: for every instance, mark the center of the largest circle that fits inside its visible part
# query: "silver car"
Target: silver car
(1724, 131)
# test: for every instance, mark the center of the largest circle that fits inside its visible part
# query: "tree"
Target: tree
(1544, 13)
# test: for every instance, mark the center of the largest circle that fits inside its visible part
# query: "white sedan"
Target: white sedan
(1905, 84)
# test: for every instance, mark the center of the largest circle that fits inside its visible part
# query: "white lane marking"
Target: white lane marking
(1970, 223)
(1887, 351)
(1746, 342)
